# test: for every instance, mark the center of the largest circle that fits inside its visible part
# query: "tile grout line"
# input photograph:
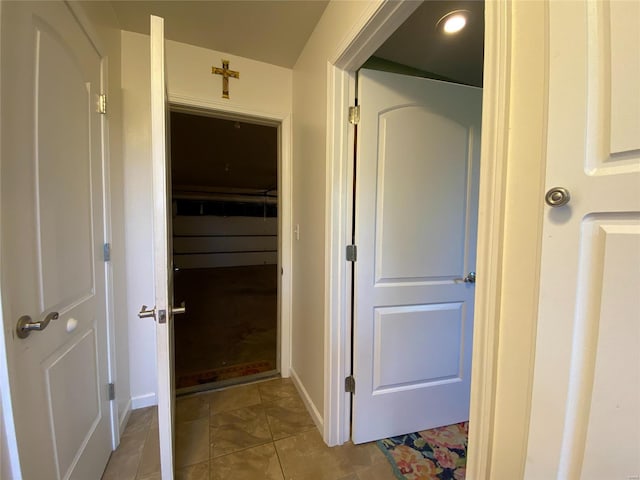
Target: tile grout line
(279, 460)
(242, 450)
(263, 406)
(273, 441)
(266, 417)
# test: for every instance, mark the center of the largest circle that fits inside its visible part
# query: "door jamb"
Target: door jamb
(374, 28)
(283, 120)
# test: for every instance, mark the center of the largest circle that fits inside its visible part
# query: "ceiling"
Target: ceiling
(275, 31)
(419, 44)
(269, 31)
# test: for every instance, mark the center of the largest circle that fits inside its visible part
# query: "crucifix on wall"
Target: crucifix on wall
(226, 73)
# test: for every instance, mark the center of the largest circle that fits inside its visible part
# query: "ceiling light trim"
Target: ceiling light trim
(445, 26)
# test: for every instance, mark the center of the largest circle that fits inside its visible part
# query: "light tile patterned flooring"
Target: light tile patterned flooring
(260, 431)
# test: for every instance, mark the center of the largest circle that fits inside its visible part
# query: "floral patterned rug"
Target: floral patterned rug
(436, 454)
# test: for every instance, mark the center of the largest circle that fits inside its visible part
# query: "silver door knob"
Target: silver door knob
(26, 326)
(557, 197)
(470, 277)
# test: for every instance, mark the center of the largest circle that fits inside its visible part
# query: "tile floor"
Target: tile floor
(260, 431)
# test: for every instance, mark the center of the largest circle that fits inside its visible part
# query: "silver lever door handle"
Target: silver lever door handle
(26, 326)
(179, 310)
(144, 313)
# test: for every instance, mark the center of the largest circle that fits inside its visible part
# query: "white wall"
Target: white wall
(262, 89)
(309, 184)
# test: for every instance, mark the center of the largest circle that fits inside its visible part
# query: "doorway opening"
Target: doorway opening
(225, 230)
(389, 58)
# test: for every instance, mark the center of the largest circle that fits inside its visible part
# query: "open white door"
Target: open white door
(53, 271)
(585, 412)
(163, 263)
(416, 221)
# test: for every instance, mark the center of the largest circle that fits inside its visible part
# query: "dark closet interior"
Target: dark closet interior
(225, 249)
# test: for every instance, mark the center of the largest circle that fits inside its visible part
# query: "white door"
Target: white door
(585, 413)
(415, 231)
(163, 264)
(52, 242)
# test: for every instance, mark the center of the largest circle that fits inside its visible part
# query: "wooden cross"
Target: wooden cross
(226, 73)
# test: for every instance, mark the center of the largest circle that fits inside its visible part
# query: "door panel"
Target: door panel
(412, 330)
(53, 231)
(614, 404)
(618, 36)
(436, 154)
(73, 367)
(416, 218)
(163, 264)
(63, 187)
(585, 412)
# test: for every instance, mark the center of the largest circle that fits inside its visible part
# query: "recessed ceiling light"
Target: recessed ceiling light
(453, 22)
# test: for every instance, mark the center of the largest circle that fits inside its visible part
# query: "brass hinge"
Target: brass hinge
(354, 115)
(106, 252)
(350, 384)
(352, 253)
(102, 104)
(112, 391)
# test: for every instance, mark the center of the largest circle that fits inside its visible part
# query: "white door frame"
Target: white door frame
(283, 121)
(7, 424)
(375, 27)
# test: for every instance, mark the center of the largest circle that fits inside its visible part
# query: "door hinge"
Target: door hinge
(354, 115)
(352, 253)
(350, 384)
(106, 252)
(102, 104)
(112, 391)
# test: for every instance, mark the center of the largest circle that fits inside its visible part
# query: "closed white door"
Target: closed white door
(415, 230)
(163, 263)
(52, 242)
(585, 412)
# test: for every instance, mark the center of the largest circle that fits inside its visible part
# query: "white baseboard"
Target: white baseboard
(313, 411)
(141, 401)
(124, 417)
